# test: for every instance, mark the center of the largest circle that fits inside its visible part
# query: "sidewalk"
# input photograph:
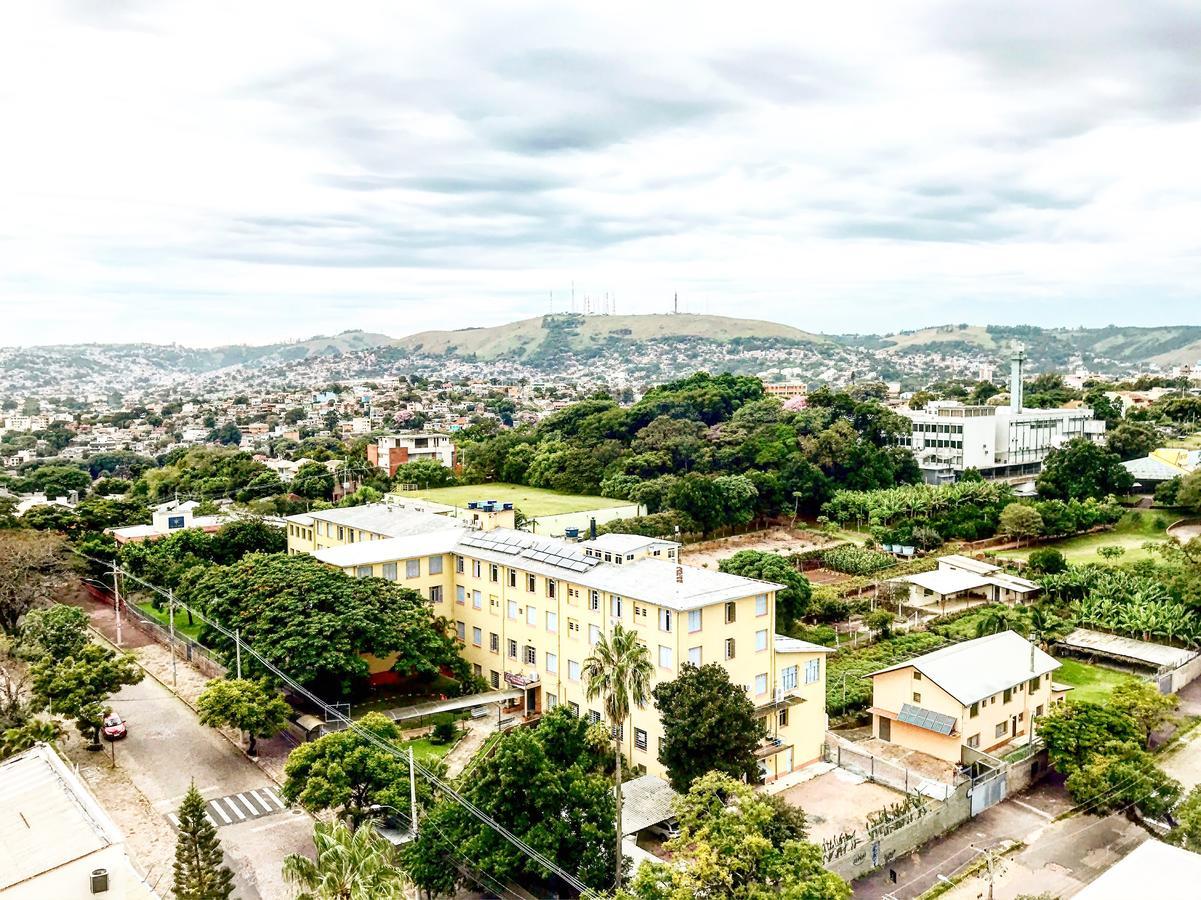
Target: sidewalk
(478, 732)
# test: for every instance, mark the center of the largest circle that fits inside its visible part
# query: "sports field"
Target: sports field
(1135, 529)
(531, 501)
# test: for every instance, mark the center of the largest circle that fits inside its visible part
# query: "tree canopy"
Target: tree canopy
(792, 602)
(1081, 469)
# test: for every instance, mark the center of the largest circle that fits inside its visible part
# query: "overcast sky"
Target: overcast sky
(210, 172)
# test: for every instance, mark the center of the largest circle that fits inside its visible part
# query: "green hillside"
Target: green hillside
(525, 339)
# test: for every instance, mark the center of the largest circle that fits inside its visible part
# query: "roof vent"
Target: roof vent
(680, 574)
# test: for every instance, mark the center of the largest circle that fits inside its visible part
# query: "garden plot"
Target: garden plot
(785, 541)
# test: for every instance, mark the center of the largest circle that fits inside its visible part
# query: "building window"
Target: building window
(476, 568)
(363, 571)
(760, 640)
(974, 710)
(639, 738)
(390, 571)
(573, 628)
(459, 564)
(1007, 695)
(1038, 711)
(574, 707)
(615, 606)
(512, 609)
(494, 642)
(694, 621)
(573, 671)
(477, 636)
(531, 655)
(917, 676)
(782, 717)
(460, 594)
(917, 698)
(1035, 683)
(694, 656)
(435, 593)
(412, 568)
(494, 573)
(813, 671)
(477, 600)
(665, 620)
(552, 700)
(512, 578)
(664, 657)
(761, 604)
(461, 630)
(729, 648)
(594, 635)
(1002, 728)
(529, 583)
(434, 563)
(594, 717)
(341, 535)
(974, 741)
(531, 615)
(494, 677)
(552, 663)
(761, 683)
(551, 586)
(788, 678)
(552, 621)
(512, 649)
(731, 612)
(594, 600)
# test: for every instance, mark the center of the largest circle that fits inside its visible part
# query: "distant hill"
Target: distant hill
(1166, 346)
(530, 339)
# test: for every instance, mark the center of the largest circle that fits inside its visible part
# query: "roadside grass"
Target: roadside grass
(531, 501)
(162, 617)
(1092, 683)
(1136, 528)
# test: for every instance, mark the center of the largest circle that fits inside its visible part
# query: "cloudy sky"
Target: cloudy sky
(243, 172)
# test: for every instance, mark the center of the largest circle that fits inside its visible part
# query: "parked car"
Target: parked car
(114, 727)
(667, 830)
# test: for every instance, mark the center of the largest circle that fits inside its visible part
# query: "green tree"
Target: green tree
(1131, 440)
(427, 473)
(317, 622)
(57, 631)
(32, 567)
(1046, 561)
(228, 433)
(709, 724)
(996, 619)
(78, 686)
(619, 671)
(58, 481)
(348, 772)
(1187, 832)
(1189, 493)
(880, 621)
(314, 481)
(792, 601)
(1122, 775)
(199, 873)
(1081, 469)
(1074, 732)
(744, 856)
(1020, 522)
(1143, 702)
(251, 706)
(351, 864)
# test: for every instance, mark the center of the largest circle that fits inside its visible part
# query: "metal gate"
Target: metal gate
(988, 790)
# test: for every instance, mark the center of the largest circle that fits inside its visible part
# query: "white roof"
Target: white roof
(645, 801)
(786, 644)
(966, 563)
(1148, 468)
(654, 580)
(1159, 655)
(382, 518)
(973, 670)
(47, 817)
(1152, 868)
(391, 549)
(624, 543)
(946, 581)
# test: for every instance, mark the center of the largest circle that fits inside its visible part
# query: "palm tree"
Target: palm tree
(619, 670)
(350, 865)
(998, 618)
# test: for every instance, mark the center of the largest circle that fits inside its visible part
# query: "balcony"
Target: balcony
(780, 698)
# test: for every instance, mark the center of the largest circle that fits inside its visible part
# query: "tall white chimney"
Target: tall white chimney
(1017, 362)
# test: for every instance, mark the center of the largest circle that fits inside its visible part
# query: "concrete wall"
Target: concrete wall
(1182, 676)
(553, 526)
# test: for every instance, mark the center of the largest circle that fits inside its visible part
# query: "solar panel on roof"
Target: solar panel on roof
(925, 718)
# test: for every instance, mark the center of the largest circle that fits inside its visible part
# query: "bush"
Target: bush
(847, 690)
(444, 733)
(1047, 561)
(852, 560)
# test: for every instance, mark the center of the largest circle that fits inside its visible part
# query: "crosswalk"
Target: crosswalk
(240, 807)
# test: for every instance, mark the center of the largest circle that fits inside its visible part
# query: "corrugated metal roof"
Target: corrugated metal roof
(785, 644)
(645, 801)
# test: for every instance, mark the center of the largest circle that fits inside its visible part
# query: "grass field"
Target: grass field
(1135, 529)
(192, 632)
(531, 501)
(1091, 683)
(424, 751)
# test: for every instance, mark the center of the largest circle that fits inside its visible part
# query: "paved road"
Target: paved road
(167, 749)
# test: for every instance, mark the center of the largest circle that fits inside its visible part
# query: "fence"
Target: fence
(845, 755)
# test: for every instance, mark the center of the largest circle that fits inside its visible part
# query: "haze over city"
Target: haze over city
(219, 173)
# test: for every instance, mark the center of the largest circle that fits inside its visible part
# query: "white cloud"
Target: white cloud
(223, 172)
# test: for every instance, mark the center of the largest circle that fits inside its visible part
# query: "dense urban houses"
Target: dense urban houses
(1008, 441)
(528, 609)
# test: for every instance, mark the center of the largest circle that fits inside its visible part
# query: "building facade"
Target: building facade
(394, 450)
(528, 609)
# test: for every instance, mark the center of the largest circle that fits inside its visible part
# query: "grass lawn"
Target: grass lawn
(1192, 442)
(424, 751)
(1136, 528)
(531, 501)
(192, 632)
(1091, 683)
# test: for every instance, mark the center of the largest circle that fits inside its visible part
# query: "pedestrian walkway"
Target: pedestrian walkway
(240, 807)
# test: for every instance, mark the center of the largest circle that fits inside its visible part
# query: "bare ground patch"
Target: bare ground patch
(784, 541)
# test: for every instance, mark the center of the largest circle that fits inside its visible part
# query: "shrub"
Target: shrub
(1047, 561)
(852, 560)
(444, 733)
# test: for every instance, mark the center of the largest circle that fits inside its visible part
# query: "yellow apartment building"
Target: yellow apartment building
(528, 609)
(979, 694)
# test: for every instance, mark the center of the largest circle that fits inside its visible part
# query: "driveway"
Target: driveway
(167, 750)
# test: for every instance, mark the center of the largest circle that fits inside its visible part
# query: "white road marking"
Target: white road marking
(250, 807)
(270, 793)
(1033, 809)
(217, 808)
(212, 821)
(233, 807)
(274, 822)
(267, 807)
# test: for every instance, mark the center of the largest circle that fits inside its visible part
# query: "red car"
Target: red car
(114, 727)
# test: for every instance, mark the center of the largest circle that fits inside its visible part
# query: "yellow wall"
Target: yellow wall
(801, 738)
(892, 689)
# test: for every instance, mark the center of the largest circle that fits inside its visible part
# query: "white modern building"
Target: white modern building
(394, 450)
(1011, 441)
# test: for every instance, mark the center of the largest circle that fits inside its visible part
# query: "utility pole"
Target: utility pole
(988, 858)
(412, 794)
(171, 624)
(238, 649)
(117, 601)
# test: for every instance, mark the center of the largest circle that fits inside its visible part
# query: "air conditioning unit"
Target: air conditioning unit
(99, 881)
(779, 696)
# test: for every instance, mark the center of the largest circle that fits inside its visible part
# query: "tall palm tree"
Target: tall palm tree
(350, 865)
(998, 618)
(619, 670)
